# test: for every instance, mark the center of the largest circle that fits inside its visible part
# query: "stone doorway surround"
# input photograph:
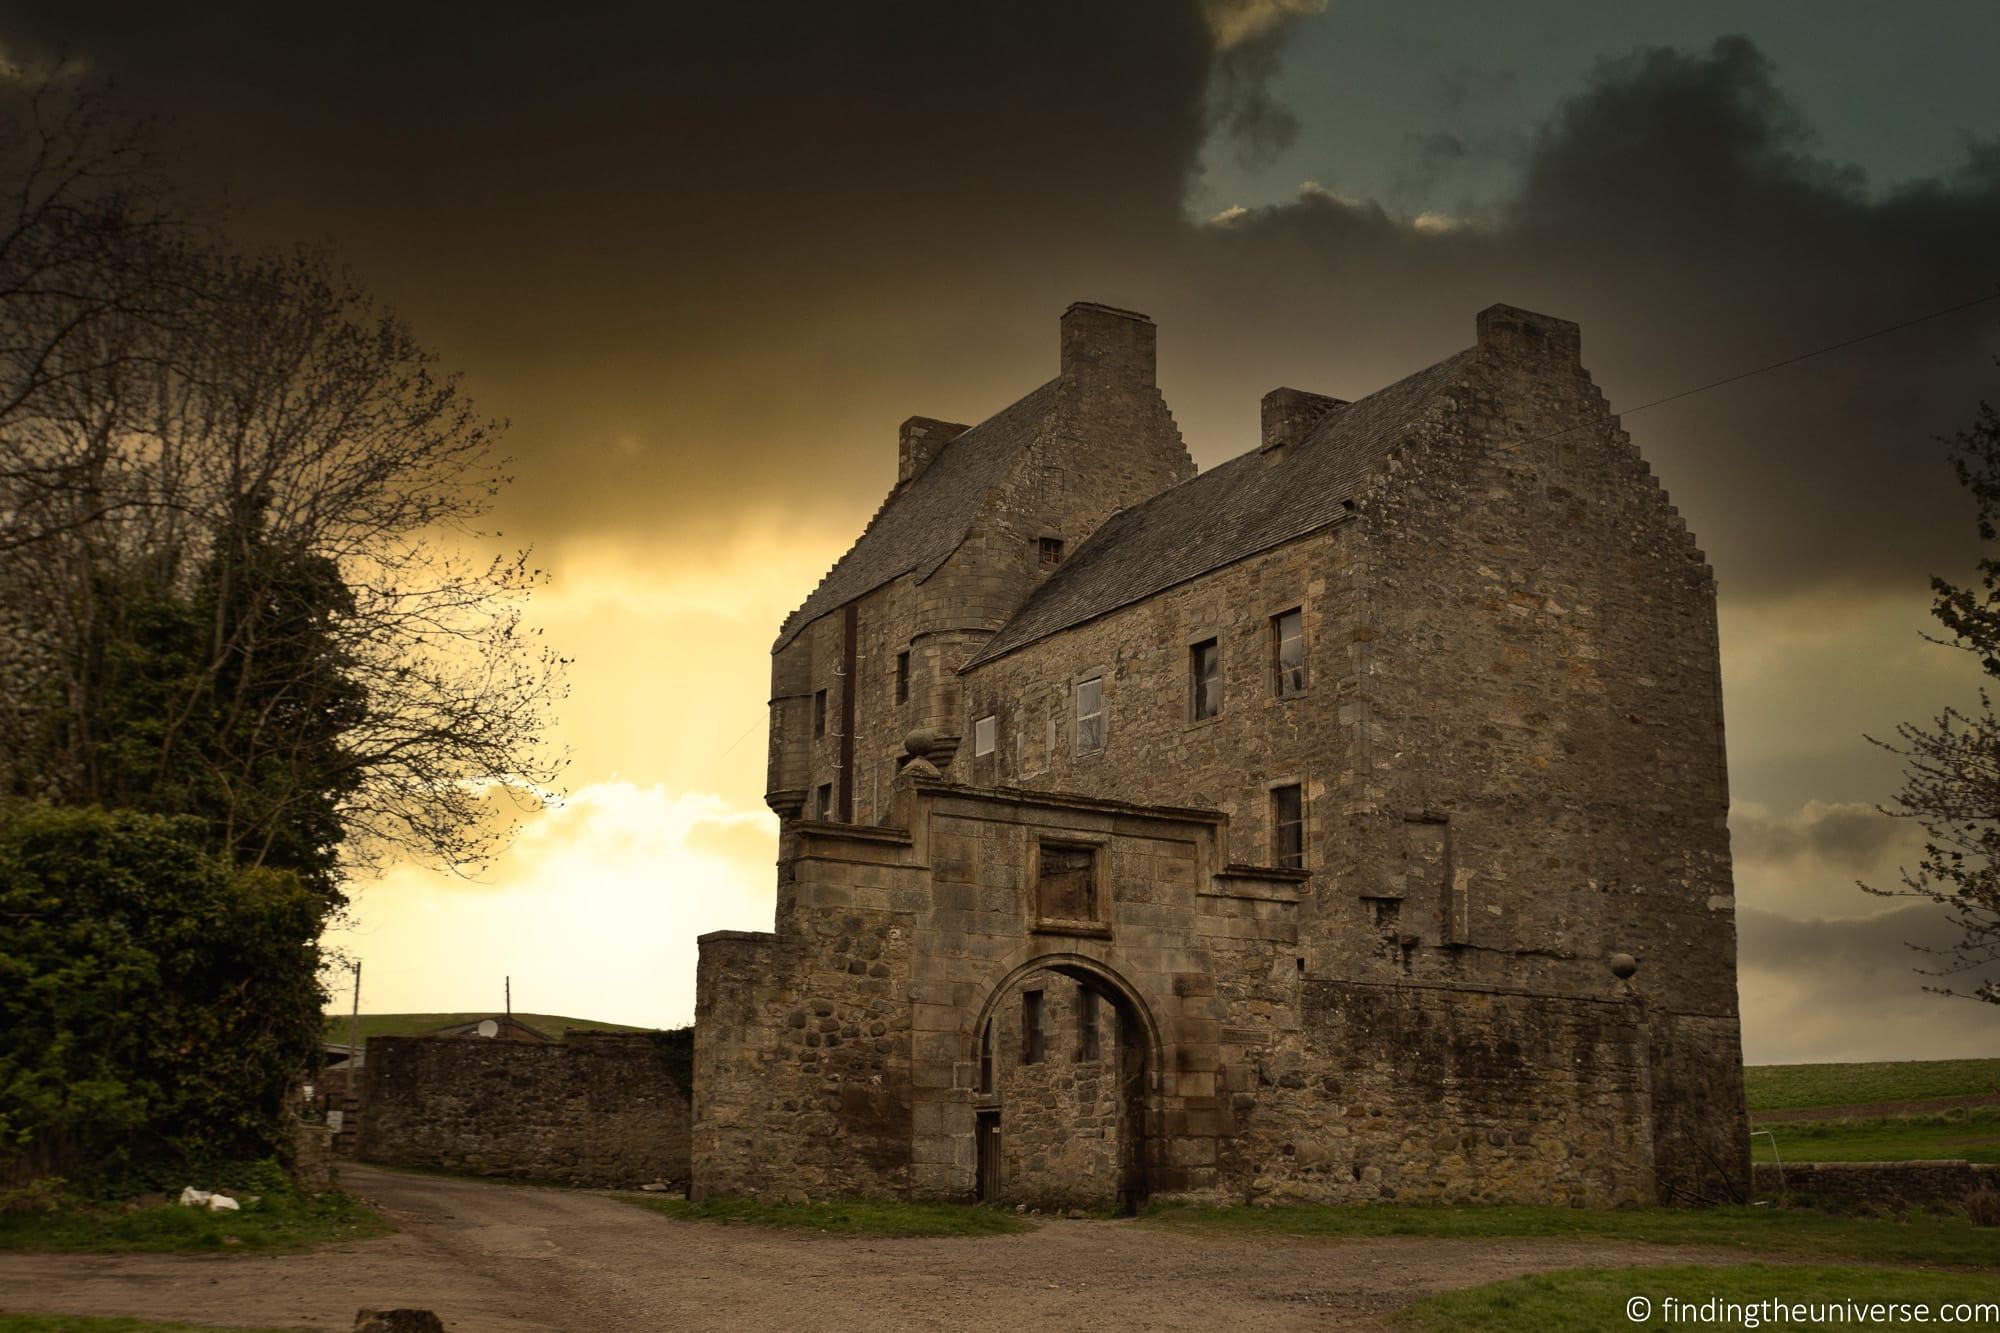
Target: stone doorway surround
(1135, 1058)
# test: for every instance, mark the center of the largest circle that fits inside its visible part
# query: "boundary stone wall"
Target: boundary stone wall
(599, 1109)
(1903, 1184)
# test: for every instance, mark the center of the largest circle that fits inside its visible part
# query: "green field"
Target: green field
(415, 1025)
(847, 1217)
(1915, 1238)
(1787, 1087)
(1588, 1300)
(1971, 1133)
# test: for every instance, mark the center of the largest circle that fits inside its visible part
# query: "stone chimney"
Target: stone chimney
(1290, 415)
(1511, 331)
(1104, 348)
(919, 440)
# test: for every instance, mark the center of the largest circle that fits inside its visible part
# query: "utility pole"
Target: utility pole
(354, 1028)
(510, 997)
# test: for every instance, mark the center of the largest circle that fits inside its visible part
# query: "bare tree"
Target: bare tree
(1951, 782)
(252, 438)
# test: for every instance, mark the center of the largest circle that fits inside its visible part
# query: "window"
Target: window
(823, 801)
(1033, 1040)
(1051, 549)
(1205, 680)
(903, 677)
(1086, 1025)
(986, 1057)
(1090, 716)
(1066, 883)
(1288, 827)
(1288, 633)
(982, 734)
(819, 713)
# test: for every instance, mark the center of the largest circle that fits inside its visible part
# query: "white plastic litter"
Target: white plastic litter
(215, 1203)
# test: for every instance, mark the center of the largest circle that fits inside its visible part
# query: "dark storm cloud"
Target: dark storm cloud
(1243, 106)
(1678, 207)
(676, 242)
(709, 255)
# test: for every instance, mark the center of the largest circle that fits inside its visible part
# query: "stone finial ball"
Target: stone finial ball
(919, 742)
(1623, 965)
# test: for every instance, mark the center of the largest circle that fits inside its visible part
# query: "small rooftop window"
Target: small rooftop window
(1051, 549)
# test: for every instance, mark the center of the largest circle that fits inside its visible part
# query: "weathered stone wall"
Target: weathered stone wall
(601, 1109)
(1108, 443)
(1509, 742)
(1895, 1184)
(1063, 1117)
(1510, 747)
(1424, 1092)
(312, 1156)
(929, 933)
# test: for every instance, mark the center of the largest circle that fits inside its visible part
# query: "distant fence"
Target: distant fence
(597, 1108)
(1903, 1184)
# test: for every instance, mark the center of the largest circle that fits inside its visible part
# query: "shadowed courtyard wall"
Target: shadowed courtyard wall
(597, 1108)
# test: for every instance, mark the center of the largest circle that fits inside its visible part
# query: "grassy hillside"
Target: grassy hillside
(1782, 1087)
(1970, 1133)
(415, 1025)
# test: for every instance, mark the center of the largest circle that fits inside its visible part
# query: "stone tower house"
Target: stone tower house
(1344, 822)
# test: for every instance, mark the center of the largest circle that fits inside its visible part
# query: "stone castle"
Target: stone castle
(1345, 822)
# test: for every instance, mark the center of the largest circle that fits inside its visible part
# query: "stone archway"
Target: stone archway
(1066, 1107)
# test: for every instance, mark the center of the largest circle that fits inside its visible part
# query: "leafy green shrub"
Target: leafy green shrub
(157, 1005)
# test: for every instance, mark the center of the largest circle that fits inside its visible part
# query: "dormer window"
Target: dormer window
(1051, 549)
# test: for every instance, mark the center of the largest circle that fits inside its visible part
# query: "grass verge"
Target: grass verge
(281, 1223)
(1787, 1087)
(1917, 1238)
(87, 1323)
(1969, 1132)
(1588, 1300)
(844, 1217)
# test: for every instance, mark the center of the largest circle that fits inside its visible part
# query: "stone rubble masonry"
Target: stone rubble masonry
(597, 1108)
(1511, 751)
(1895, 1184)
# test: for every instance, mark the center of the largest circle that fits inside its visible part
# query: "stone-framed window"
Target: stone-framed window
(1034, 1039)
(1090, 715)
(1087, 1045)
(986, 1057)
(819, 714)
(1288, 827)
(1049, 550)
(984, 734)
(903, 676)
(1068, 880)
(1204, 680)
(1288, 652)
(823, 801)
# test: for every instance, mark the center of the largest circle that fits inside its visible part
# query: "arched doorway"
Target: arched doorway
(1065, 1107)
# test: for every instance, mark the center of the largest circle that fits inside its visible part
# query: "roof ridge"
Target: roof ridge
(927, 517)
(1238, 508)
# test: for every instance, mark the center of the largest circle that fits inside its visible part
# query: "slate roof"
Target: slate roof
(1233, 510)
(924, 521)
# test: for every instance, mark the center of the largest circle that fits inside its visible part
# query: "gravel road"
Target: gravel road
(502, 1259)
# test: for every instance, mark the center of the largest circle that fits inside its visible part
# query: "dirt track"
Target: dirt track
(491, 1257)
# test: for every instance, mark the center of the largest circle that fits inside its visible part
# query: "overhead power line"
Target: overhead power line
(1817, 351)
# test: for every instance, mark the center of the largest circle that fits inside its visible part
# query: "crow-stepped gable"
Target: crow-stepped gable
(1345, 822)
